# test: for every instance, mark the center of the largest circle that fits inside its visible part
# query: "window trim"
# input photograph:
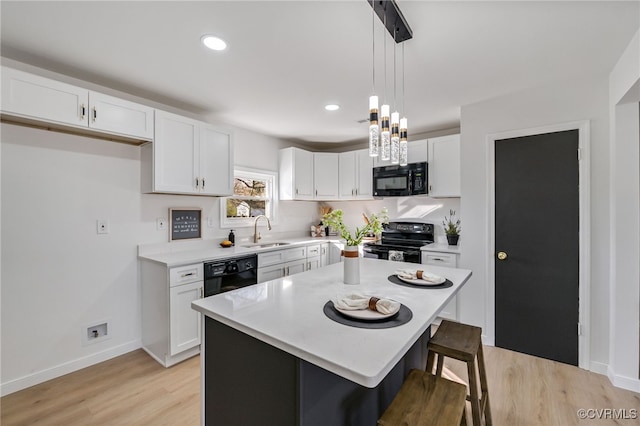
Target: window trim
(268, 175)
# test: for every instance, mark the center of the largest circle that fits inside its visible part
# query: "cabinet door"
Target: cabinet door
(115, 115)
(313, 262)
(326, 179)
(450, 311)
(295, 267)
(270, 273)
(174, 154)
(324, 254)
(302, 174)
(31, 96)
(215, 161)
(418, 151)
(347, 173)
(444, 166)
(364, 177)
(335, 252)
(184, 321)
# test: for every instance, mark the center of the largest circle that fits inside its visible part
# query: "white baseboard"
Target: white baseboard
(67, 367)
(623, 382)
(598, 367)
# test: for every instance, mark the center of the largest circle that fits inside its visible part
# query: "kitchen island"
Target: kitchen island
(272, 357)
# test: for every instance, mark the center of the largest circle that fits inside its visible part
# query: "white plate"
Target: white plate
(365, 314)
(418, 281)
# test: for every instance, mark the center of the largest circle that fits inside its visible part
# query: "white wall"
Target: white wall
(58, 275)
(573, 100)
(624, 84)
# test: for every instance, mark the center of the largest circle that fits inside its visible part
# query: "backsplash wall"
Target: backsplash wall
(423, 208)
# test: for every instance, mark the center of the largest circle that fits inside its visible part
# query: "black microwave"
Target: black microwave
(400, 181)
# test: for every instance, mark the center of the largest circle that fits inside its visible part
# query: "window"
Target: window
(253, 195)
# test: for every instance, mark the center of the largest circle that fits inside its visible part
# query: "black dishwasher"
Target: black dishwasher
(230, 274)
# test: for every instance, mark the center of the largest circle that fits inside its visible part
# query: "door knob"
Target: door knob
(502, 255)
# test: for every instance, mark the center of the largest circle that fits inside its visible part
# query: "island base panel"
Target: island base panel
(249, 382)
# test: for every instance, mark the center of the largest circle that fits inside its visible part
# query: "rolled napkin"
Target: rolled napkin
(409, 274)
(358, 301)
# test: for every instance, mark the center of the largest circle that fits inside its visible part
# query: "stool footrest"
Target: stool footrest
(426, 400)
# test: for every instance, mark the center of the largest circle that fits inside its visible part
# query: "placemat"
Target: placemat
(394, 279)
(404, 316)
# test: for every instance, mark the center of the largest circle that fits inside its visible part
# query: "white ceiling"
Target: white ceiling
(287, 59)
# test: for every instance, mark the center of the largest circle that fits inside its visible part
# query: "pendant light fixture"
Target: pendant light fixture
(374, 129)
(382, 142)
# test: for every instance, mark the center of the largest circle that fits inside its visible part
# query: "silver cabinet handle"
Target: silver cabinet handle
(197, 183)
(202, 183)
(296, 191)
(83, 111)
(187, 275)
(95, 114)
(356, 192)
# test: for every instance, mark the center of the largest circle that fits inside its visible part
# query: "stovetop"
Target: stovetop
(405, 235)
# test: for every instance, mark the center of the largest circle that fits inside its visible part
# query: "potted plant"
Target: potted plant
(334, 220)
(373, 225)
(452, 228)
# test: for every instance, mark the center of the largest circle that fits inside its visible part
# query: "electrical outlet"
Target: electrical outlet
(102, 226)
(96, 332)
(161, 224)
(210, 222)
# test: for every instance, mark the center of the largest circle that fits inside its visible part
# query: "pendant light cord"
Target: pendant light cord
(395, 92)
(373, 53)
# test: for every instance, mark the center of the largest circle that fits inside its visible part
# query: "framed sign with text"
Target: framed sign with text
(185, 223)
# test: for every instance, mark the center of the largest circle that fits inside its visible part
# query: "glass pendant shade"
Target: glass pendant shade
(385, 142)
(403, 142)
(395, 138)
(374, 129)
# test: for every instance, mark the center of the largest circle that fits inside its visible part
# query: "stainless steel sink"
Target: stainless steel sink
(266, 245)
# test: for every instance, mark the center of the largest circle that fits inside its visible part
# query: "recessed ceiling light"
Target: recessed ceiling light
(332, 107)
(214, 43)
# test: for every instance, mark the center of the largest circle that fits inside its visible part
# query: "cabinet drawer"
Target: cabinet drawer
(186, 274)
(439, 259)
(280, 256)
(313, 250)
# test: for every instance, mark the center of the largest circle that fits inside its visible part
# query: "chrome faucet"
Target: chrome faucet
(256, 234)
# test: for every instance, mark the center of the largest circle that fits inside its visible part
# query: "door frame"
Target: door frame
(584, 179)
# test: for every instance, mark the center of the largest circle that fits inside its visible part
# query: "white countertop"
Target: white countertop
(441, 248)
(211, 250)
(287, 313)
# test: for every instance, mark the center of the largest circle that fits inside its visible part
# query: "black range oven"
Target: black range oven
(229, 274)
(401, 241)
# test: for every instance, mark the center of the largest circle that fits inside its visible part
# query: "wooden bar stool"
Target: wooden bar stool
(464, 343)
(426, 400)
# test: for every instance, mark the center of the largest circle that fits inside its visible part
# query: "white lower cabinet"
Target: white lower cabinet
(449, 260)
(281, 263)
(170, 328)
(184, 321)
(281, 270)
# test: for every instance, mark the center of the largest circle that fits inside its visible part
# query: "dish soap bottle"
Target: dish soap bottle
(232, 237)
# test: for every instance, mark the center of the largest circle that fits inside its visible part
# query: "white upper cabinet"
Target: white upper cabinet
(296, 174)
(114, 115)
(417, 152)
(187, 157)
(444, 166)
(355, 170)
(325, 175)
(216, 161)
(307, 175)
(37, 99)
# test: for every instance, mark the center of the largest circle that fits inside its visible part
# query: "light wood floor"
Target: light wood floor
(135, 390)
